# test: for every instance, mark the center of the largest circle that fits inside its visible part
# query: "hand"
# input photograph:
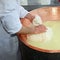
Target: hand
(30, 17)
(25, 22)
(40, 29)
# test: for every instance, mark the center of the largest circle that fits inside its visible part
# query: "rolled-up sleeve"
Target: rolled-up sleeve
(11, 22)
(23, 12)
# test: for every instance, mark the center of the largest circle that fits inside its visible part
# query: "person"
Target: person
(10, 25)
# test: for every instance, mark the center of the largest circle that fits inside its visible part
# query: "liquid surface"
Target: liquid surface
(54, 43)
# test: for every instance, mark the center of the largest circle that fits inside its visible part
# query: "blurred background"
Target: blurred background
(32, 4)
(38, 2)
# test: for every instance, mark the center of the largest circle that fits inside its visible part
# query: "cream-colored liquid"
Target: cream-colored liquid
(54, 43)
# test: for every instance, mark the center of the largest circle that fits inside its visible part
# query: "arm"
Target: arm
(27, 30)
(25, 14)
(31, 28)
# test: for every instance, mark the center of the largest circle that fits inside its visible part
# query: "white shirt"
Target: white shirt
(10, 12)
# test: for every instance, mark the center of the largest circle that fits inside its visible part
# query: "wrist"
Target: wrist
(30, 17)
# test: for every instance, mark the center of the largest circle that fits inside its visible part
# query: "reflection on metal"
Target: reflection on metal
(54, 11)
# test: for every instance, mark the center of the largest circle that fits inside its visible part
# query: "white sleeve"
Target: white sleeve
(11, 22)
(23, 12)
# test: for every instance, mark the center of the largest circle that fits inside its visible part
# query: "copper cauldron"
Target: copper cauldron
(47, 14)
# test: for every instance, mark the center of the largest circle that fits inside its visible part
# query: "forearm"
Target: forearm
(27, 30)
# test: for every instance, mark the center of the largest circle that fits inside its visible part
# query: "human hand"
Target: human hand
(40, 29)
(37, 20)
(30, 17)
(33, 28)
